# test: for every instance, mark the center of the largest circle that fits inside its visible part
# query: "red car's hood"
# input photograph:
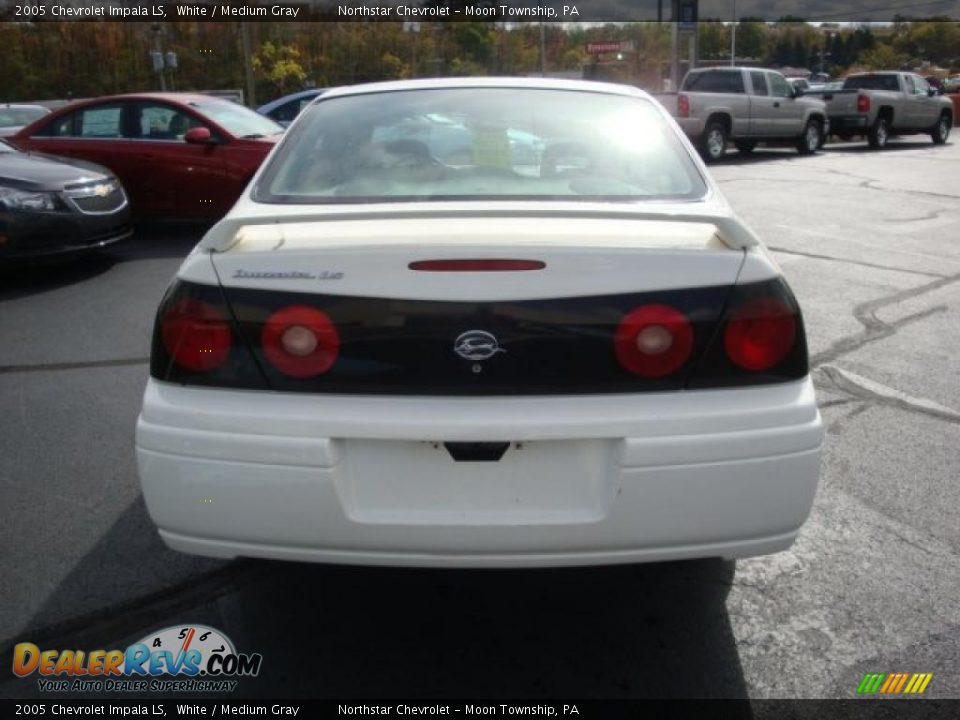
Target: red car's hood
(267, 140)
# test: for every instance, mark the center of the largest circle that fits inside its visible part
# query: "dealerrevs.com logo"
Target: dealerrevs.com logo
(184, 658)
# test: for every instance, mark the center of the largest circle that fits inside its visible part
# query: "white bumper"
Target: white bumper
(586, 480)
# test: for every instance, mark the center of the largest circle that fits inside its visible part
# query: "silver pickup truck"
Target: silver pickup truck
(880, 104)
(747, 105)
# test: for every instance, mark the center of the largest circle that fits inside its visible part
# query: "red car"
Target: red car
(178, 155)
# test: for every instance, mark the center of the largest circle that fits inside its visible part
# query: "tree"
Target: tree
(782, 51)
(279, 65)
(474, 41)
(751, 38)
(937, 42)
(798, 58)
(714, 40)
(881, 57)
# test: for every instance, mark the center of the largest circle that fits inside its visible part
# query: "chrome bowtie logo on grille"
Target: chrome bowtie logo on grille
(477, 345)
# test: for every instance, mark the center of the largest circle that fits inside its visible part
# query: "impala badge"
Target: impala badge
(477, 345)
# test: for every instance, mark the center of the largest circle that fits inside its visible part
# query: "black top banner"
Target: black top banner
(516, 11)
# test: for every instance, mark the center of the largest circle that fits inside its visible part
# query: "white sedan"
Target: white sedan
(548, 343)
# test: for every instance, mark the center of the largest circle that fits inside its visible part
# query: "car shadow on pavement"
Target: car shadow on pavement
(657, 630)
(161, 240)
(895, 145)
(760, 155)
(22, 280)
(150, 241)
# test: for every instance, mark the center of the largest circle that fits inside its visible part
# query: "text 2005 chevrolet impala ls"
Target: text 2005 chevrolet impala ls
(485, 322)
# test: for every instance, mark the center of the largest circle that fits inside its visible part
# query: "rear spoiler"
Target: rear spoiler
(732, 233)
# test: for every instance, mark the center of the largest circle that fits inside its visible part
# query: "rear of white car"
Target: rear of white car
(530, 351)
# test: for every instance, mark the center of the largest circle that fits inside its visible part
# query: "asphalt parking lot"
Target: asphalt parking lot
(870, 243)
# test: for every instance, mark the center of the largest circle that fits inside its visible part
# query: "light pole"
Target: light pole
(543, 51)
(733, 36)
(413, 28)
(827, 37)
(245, 50)
(156, 56)
(162, 60)
(674, 46)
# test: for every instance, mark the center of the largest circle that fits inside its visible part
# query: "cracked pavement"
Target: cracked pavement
(869, 242)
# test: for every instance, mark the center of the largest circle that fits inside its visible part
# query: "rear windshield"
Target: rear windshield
(714, 81)
(871, 82)
(480, 143)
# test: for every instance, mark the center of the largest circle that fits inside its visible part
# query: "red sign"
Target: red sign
(597, 48)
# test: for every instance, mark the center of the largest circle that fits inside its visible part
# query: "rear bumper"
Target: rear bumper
(692, 126)
(849, 123)
(587, 480)
(38, 236)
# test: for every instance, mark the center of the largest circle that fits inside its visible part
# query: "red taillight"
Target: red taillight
(654, 341)
(196, 335)
(683, 106)
(863, 103)
(760, 333)
(300, 341)
(476, 265)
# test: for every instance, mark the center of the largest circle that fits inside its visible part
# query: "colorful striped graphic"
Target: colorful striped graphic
(894, 683)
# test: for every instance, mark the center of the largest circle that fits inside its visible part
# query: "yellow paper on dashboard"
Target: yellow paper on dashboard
(491, 148)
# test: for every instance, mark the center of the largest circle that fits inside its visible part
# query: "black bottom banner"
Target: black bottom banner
(567, 708)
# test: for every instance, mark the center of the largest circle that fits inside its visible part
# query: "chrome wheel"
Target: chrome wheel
(716, 143)
(943, 130)
(811, 139)
(881, 134)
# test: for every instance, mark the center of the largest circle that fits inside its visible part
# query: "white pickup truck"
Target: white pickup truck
(747, 105)
(880, 104)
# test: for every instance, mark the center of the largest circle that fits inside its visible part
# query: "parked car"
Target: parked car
(819, 89)
(747, 105)
(952, 84)
(14, 117)
(877, 105)
(801, 84)
(178, 155)
(378, 357)
(52, 206)
(936, 83)
(283, 110)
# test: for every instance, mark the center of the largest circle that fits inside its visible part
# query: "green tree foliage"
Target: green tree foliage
(84, 59)
(714, 40)
(935, 41)
(279, 65)
(881, 57)
(752, 38)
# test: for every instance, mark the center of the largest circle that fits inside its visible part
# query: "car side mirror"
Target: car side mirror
(199, 136)
(931, 91)
(797, 92)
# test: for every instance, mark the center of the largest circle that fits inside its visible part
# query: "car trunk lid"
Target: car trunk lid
(403, 330)
(375, 257)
